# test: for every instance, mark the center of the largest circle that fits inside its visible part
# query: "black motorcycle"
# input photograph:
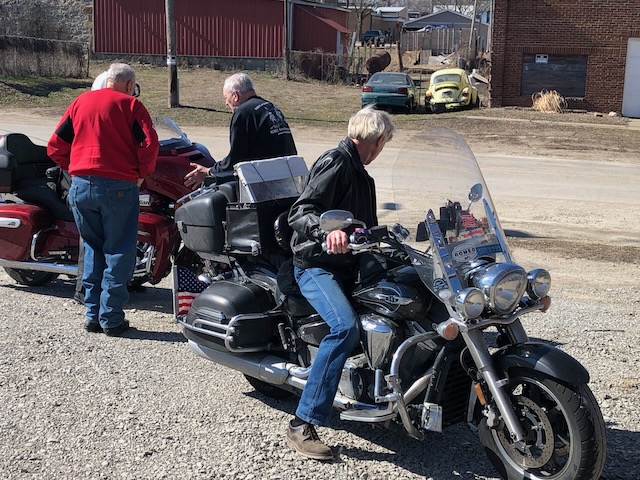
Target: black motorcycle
(441, 336)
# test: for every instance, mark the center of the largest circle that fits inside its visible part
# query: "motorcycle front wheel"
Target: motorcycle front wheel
(564, 432)
(32, 278)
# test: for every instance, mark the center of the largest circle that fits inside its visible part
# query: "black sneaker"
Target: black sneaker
(93, 327)
(305, 440)
(116, 331)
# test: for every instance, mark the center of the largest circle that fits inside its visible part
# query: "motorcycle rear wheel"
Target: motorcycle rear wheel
(564, 432)
(32, 278)
(268, 390)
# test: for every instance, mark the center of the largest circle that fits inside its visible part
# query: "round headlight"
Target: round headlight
(539, 283)
(502, 283)
(470, 302)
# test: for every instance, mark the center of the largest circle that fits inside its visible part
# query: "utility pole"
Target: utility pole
(285, 50)
(174, 97)
(471, 35)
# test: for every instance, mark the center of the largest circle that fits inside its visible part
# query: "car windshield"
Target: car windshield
(388, 78)
(446, 77)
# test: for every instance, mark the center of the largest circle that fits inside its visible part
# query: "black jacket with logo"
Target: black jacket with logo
(258, 130)
(338, 180)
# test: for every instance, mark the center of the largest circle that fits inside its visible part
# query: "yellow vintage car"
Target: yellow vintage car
(450, 89)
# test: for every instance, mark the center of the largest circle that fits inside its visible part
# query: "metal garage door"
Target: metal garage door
(631, 95)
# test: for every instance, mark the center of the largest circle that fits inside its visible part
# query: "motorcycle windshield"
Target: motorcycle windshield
(440, 197)
(170, 135)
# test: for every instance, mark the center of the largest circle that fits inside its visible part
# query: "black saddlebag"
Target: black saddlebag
(201, 220)
(234, 315)
(250, 225)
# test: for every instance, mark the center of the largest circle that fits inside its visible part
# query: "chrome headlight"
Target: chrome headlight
(539, 283)
(503, 285)
(470, 302)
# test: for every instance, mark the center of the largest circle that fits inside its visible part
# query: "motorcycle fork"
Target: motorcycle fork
(479, 351)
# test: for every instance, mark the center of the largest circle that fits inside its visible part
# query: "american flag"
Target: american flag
(186, 288)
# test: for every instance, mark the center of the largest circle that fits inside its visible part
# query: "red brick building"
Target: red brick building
(587, 50)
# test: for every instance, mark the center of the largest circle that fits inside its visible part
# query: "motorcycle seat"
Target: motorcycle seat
(37, 192)
(283, 231)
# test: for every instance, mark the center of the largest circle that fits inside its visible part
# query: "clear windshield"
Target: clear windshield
(439, 193)
(169, 134)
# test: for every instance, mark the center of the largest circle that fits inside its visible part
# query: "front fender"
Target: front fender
(542, 358)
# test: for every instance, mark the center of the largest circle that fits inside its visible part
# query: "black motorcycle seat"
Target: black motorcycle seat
(36, 191)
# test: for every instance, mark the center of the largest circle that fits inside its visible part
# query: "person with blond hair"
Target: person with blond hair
(337, 180)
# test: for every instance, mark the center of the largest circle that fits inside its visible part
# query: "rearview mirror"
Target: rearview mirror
(337, 220)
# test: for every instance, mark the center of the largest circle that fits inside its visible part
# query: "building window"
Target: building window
(567, 74)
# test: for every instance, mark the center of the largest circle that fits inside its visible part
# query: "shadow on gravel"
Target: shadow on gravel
(458, 449)
(623, 455)
(136, 334)
(153, 299)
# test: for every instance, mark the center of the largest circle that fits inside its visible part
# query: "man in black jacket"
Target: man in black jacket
(338, 180)
(258, 130)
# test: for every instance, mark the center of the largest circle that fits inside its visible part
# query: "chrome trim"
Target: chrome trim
(393, 380)
(34, 241)
(227, 333)
(62, 269)
(6, 222)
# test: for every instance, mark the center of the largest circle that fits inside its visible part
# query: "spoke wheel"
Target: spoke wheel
(563, 429)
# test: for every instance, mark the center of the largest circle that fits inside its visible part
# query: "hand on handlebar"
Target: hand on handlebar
(337, 242)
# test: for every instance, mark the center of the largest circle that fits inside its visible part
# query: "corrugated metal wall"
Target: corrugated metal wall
(222, 28)
(323, 37)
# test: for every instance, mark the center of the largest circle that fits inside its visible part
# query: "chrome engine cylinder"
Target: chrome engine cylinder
(378, 334)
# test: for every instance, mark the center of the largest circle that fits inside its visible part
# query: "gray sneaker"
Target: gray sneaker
(304, 439)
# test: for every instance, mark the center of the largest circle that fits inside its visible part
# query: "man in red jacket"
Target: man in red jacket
(107, 142)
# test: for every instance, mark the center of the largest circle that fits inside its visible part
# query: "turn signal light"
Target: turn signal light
(546, 303)
(480, 394)
(402, 90)
(448, 330)
(367, 89)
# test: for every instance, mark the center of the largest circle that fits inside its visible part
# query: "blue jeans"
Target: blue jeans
(106, 213)
(325, 294)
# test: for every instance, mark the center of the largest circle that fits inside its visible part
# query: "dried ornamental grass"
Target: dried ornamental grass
(548, 101)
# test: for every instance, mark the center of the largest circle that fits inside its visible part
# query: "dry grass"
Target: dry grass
(308, 103)
(548, 102)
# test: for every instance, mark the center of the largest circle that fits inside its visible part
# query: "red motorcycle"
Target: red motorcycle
(38, 236)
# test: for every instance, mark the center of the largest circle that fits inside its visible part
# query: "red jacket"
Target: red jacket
(105, 133)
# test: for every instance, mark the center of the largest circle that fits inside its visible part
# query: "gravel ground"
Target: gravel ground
(80, 405)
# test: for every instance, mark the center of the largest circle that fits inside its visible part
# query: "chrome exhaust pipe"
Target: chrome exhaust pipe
(60, 268)
(270, 369)
(262, 366)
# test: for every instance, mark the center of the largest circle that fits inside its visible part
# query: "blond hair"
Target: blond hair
(370, 124)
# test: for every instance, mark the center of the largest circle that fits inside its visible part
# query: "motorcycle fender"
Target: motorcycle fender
(161, 232)
(18, 223)
(542, 358)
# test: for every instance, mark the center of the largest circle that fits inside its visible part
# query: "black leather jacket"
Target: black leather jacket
(338, 180)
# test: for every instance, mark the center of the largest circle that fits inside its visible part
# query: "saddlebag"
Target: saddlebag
(201, 220)
(233, 315)
(19, 222)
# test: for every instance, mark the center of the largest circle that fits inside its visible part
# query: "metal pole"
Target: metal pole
(171, 55)
(285, 50)
(473, 24)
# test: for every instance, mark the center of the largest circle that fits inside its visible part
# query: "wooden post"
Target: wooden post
(174, 97)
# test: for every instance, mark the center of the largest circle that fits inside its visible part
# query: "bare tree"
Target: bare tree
(363, 10)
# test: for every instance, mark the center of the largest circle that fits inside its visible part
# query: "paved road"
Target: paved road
(544, 197)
